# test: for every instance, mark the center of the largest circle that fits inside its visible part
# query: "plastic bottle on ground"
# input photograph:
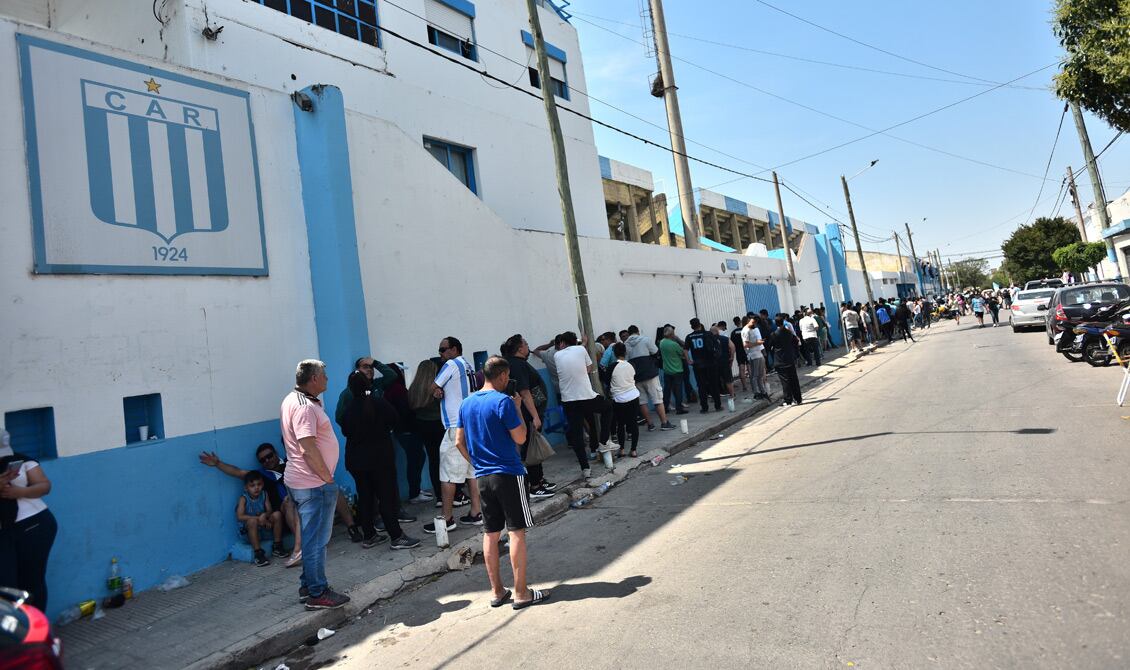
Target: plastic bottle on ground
(114, 583)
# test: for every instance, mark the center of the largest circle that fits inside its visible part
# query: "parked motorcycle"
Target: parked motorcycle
(1115, 338)
(1085, 340)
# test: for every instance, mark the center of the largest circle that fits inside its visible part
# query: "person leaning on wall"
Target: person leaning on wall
(27, 527)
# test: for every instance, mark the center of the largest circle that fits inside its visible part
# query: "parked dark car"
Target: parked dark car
(1072, 305)
(27, 641)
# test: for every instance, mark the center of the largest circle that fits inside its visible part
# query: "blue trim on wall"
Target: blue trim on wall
(553, 52)
(40, 264)
(461, 6)
(331, 233)
(831, 310)
(706, 241)
(153, 506)
(736, 206)
(774, 218)
(1116, 229)
(605, 167)
(675, 222)
(839, 259)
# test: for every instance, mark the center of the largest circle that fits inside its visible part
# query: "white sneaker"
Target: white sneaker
(586, 473)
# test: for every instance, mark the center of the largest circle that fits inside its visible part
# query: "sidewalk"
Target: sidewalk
(233, 615)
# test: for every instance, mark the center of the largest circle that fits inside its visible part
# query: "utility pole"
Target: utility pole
(572, 245)
(1096, 183)
(938, 269)
(784, 233)
(862, 262)
(674, 125)
(914, 258)
(1075, 201)
(898, 249)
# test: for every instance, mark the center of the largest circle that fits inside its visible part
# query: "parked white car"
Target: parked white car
(1029, 308)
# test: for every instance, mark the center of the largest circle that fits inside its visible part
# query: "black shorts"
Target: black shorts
(505, 503)
(725, 373)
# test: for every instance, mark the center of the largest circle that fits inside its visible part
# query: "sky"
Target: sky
(751, 111)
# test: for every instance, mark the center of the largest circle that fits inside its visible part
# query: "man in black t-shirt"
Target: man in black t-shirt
(703, 347)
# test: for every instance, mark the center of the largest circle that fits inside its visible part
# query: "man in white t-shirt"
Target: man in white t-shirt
(581, 403)
(810, 335)
(755, 354)
(455, 381)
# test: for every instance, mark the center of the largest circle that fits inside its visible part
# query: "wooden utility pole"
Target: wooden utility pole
(862, 261)
(572, 245)
(674, 126)
(914, 258)
(1096, 184)
(1075, 201)
(898, 249)
(785, 235)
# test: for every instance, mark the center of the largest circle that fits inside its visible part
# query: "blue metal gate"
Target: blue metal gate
(762, 296)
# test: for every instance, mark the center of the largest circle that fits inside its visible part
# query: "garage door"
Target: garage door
(762, 296)
(718, 302)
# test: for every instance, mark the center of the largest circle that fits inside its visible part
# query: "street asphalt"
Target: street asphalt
(960, 502)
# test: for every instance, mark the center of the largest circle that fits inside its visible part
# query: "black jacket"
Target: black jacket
(784, 345)
(366, 424)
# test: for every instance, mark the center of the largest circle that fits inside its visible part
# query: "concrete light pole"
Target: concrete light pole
(675, 127)
(572, 245)
(1097, 185)
(784, 234)
(859, 249)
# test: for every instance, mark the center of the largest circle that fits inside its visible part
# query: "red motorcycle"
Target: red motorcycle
(26, 639)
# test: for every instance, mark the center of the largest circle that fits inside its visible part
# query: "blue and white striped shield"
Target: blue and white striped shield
(154, 163)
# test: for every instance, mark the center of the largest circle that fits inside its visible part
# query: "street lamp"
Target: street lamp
(859, 248)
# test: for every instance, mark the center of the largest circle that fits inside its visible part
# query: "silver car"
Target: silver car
(1029, 308)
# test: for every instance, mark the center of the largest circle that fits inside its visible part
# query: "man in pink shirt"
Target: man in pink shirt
(312, 452)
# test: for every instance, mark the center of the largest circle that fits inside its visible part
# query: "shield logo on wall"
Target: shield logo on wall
(153, 163)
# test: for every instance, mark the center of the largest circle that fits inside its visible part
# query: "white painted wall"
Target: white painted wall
(630, 174)
(217, 349)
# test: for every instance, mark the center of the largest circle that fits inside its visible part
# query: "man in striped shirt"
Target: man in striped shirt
(455, 381)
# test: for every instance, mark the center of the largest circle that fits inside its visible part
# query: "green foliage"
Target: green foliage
(970, 273)
(1000, 277)
(1095, 34)
(1028, 252)
(1079, 257)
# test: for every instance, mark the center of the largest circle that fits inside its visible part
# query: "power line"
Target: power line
(814, 61)
(1047, 167)
(869, 45)
(841, 119)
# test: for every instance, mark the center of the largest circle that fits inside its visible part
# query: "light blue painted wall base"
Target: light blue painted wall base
(154, 506)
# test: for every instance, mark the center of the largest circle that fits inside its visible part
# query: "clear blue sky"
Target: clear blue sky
(968, 207)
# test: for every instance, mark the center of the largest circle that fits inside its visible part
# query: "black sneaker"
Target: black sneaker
(703, 411)
(355, 533)
(405, 542)
(667, 425)
(472, 519)
(405, 517)
(380, 526)
(261, 558)
(540, 493)
(279, 551)
(430, 528)
(370, 542)
(682, 411)
(650, 427)
(303, 594)
(548, 486)
(329, 600)
(461, 499)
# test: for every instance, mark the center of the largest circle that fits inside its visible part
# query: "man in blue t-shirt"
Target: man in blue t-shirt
(489, 434)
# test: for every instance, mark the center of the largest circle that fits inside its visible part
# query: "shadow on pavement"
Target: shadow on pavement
(588, 590)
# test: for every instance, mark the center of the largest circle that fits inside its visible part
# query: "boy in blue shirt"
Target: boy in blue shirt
(489, 434)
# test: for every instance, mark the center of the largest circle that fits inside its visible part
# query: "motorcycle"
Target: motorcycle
(1085, 340)
(1070, 344)
(1115, 338)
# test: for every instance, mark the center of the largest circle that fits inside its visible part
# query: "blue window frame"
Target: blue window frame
(143, 410)
(460, 161)
(355, 19)
(557, 60)
(451, 26)
(32, 432)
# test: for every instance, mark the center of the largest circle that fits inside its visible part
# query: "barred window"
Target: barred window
(355, 19)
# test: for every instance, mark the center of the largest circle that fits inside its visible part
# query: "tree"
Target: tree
(1028, 252)
(1096, 68)
(970, 273)
(999, 277)
(1079, 257)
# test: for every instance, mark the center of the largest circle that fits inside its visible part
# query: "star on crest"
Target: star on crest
(152, 86)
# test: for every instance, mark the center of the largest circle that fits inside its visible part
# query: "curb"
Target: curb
(296, 629)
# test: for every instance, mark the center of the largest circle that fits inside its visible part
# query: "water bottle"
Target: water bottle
(603, 488)
(114, 583)
(441, 532)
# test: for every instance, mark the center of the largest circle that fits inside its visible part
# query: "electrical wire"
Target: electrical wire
(802, 59)
(834, 117)
(1047, 167)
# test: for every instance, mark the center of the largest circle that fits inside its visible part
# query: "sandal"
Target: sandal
(538, 596)
(499, 602)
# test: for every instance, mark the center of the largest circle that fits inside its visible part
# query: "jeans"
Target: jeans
(707, 378)
(316, 511)
(757, 375)
(413, 447)
(580, 413)
(673, 386)
(812, 353)
(24, 547)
